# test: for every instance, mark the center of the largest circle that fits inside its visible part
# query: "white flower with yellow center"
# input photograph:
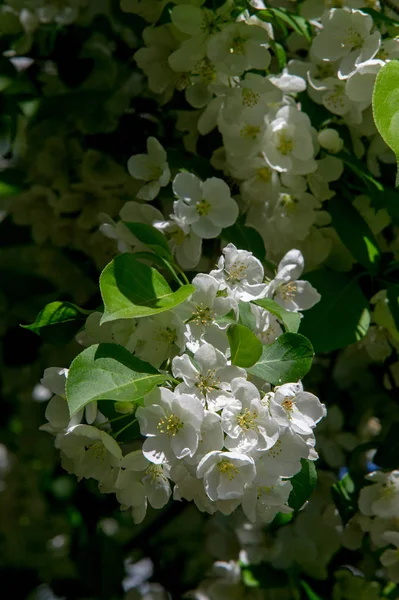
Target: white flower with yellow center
(264, 499)
(288, 144)
(89, 452)
(201, 313)
(159, 337)
(239, 47)
(382, 498)
(292, 407)
(240, 274)
(185, 245)
(226, 474)
(246, 420)
(286, 290)
(206, 206)
(207, 376)
(346, 35)
(152, 168)
(171, 423)
(283, 459)
(139, 480)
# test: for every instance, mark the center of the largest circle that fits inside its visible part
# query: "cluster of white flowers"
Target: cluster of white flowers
(378, 517)
(280, 163)
(221, 436)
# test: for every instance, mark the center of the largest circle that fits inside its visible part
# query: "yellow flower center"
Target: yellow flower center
(288, 405)
(264, 174)
(227, 468)
(203, 207)
(288, 291)
(203, 315)
(249, 97)
(206, 69)
(249, 132)
(237, 272)
(353, 39)
(289, 203)
(275, 450)
(208, 381)
(285, 143)
(237, 45)
(167, 335)
(170, 425)
(246, 419)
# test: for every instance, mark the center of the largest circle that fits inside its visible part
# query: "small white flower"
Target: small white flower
(239, 47)
(89, 452)
(382, 497)
(330, 140)
(286, 290)
(263, 500)
(226, 474)
(390, 558)
(185, 245)
(152, 168)
(296, 409)
(159, 337)
(207, 206)
(240, 274)
(54, 379)
(288, 142)
(346, 35)
(267, 328)
(246, 420)
(207, 377)
(172, 423)
(201, 311)
(139, 480)
(283, 459)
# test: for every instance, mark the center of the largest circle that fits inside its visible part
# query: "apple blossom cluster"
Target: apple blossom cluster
(280, 163)
(378, 517)
(222, 437)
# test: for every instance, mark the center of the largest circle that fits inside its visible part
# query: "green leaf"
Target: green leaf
(109, 372)
(245, 347)
(297, 23)
(11, 183)
(246, 317)
(343, 494)
(289, 319)
(310, 594)
(151, 237)
(303, 484)
(287, 360)
(359, 169)
(58, 322)
(130, 290)
(354, 233)
(245, 238)
(386, 106)
(387, 455)
(341, 318)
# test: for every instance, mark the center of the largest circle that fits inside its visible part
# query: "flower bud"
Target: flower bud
(330, 140)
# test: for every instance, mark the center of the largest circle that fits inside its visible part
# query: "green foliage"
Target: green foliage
(344, 496)
(355, 234)
(132, 290)
(288, 359)
(386, 106)
(280, 18)
(245, 347)
(290, 320)
(58, 322)
(342, 316)
(109, 372)
(152, 238)
(303, 485)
